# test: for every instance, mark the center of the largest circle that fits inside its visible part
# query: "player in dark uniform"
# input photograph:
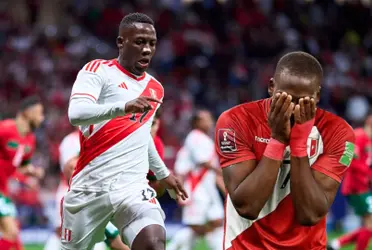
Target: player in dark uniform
(283, 160)
(17, 143)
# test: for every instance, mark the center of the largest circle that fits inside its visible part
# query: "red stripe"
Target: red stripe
(85, 94)
(115, 62)
(196, 179)
(87, 67)
(113, 132)
(95, 69)
(69, 235)
(93, 65)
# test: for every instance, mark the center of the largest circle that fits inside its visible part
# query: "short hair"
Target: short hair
(28, 102)
(301, 64)
(135, 17)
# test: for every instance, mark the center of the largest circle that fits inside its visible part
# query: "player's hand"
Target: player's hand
(305, 110)
(140, 104)
(279, 117)
(172, 183)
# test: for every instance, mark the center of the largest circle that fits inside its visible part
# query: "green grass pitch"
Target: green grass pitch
(200, 246)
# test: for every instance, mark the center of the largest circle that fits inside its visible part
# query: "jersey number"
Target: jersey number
(133, 118)
(147, 194)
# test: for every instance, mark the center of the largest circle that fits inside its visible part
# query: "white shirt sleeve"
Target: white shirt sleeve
(69, 148)
(200, 148)
(83, 107)
(182, 165)
(156, 163)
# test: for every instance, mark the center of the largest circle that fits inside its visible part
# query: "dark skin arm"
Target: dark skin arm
(250, 184)
(312, 192)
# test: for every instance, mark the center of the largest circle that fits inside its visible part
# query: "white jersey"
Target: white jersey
(116, 148)
(197, 149)
(69, 148)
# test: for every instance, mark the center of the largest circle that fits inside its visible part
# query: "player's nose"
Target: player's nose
(146, 50)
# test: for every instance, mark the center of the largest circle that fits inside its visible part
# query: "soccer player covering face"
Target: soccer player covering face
(356, 187)
(113, 102)
(283, 160)
(17, 144)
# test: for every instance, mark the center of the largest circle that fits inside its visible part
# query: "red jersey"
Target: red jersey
(357, 178)
(15, 150)
(242, 134)
(159, 145)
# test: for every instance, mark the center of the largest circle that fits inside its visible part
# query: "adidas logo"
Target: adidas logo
(123, 85)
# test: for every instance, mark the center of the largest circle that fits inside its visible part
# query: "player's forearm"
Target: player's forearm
(252, 194)
(309, 200)
(156, 163)
(83, 111)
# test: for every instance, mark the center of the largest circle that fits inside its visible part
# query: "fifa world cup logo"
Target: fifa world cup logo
(225, 136)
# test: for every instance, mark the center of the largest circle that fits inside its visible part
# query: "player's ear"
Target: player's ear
(270, 90)
(120, 42)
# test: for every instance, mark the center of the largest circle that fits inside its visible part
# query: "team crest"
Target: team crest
(313, 147)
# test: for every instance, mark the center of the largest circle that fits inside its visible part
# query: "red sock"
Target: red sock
(349, 238)
(363, 239)
(10, 245)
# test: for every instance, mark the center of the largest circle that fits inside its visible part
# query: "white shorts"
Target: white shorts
(204, 203)
(61, 191)
(86, 214)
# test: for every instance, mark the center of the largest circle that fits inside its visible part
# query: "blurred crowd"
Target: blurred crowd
(212, 54)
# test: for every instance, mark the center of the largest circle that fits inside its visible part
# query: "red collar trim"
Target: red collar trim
(137, 78)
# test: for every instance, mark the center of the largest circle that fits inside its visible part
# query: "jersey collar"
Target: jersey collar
(137, 78)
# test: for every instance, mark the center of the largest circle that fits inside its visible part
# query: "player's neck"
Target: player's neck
(120, 61)
(22, 125)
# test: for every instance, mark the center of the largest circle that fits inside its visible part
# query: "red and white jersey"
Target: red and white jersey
(242, 134)
(198, 149)
(113, 145)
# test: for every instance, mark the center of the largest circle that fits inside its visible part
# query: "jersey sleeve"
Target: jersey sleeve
(233, 143)
(338, 153)
(200, 148)
(88, 83)
(69, 148)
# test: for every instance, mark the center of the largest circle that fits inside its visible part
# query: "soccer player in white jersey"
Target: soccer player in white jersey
(113, 102)
(203, 212)
(69, 150)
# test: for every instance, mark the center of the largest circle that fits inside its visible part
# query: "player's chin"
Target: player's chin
(140, 68)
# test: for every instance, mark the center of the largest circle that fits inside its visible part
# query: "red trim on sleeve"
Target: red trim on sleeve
(327, 173)
(83, 94)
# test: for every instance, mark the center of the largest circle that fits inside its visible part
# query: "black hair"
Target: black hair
(300, 63)
(28, 102)
(135, 17)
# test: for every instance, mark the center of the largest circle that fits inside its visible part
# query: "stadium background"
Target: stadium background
(211, 53)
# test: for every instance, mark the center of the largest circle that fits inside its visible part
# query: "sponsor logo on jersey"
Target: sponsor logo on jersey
(348, 154)
(226, 140)
(260, 139)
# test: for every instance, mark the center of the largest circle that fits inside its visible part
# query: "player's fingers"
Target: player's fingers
(302, 108)
(286, 104)
(139, 108)
(273, 102)
(312, 107)
(279, 103)
(289, 110)
(307, 108)
(297, 114)
(145, 104)
(152, 99)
